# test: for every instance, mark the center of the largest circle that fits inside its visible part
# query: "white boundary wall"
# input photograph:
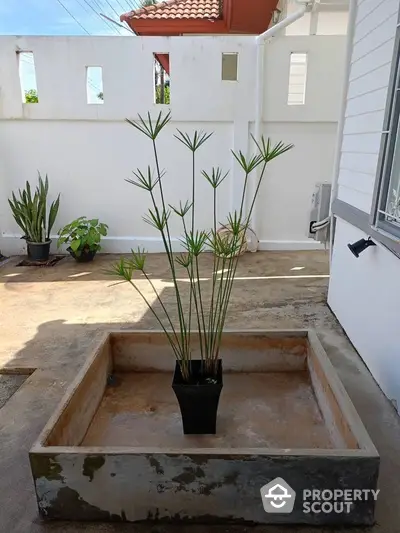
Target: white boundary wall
(87, 149)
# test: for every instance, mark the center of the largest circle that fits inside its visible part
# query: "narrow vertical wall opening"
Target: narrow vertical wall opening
(27, 77)
(162, 80)
(94, 85)
(297, 79)
(229, 67)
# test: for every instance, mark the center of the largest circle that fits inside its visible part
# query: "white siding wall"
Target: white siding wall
(364, 292)
(369, 77)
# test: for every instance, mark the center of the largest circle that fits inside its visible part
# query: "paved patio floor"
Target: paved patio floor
(51, 318)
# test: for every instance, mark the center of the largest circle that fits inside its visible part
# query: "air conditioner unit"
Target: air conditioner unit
(319, 210)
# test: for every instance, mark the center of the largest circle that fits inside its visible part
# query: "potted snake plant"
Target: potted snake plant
(30, 213)
(83, 237)
(197, 382)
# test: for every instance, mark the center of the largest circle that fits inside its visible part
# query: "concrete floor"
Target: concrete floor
(9, 384)
(51, 319)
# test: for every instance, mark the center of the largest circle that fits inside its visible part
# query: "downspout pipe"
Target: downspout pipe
(306, 5)
(342, 115)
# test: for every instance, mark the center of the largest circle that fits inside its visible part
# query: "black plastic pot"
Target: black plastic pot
(198, 400)
(38, 251)
(84, 257)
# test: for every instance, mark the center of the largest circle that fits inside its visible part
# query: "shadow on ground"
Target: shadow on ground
(50, 323)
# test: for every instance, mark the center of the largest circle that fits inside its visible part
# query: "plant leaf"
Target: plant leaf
(193, 143)
(150, 127)
(75, 245)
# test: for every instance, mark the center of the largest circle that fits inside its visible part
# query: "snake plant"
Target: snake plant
(30, 211)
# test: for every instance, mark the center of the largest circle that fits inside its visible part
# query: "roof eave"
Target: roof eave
(176, 26)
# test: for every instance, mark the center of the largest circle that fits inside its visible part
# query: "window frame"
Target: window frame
(387, 149)
(224, 57)
(292, 64)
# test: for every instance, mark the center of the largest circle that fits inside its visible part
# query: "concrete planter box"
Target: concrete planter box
(115, 450)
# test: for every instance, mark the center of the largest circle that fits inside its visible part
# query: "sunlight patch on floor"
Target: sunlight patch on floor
(79, 274)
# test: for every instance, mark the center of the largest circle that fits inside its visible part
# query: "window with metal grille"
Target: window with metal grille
(387, 188)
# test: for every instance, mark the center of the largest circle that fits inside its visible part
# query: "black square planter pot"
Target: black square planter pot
(198, 401)
(38, 251)
(84, 257)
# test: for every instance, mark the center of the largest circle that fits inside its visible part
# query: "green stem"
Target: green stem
(193, 285)
(190, 274)
(225, 295)
(201, 309)
(169, 253)
(214, 304)
(174, 279)
(193, 298)
(256, 193)
(191, 266)
(193, 187)
(223, 291)
(211, 314)
(162, 305)
(232, 278)
(243, 195)
(176, 351)
(219, 308)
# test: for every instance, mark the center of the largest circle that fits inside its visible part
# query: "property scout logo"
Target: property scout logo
(279, 497)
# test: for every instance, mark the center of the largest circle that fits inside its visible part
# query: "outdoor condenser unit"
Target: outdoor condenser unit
(319, 211)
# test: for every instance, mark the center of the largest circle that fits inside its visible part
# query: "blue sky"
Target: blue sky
(48, 17)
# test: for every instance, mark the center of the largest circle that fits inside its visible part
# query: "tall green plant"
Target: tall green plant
(207, 318)
(30, 211)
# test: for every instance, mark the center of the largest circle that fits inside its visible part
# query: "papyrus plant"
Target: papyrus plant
(204, 316)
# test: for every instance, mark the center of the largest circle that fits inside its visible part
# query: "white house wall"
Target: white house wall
(329, 17)
(363, 292)
(88, 150)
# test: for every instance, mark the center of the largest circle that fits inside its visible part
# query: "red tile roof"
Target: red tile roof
(178, 9)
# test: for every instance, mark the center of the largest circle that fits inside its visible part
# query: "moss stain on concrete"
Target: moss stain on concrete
(68, 498)
(46, 466)
(189, 475)
(91, 464)
(155, 464)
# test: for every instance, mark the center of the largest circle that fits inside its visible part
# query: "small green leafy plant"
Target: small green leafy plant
(200, 318)
(31, 96)
(30, 211)
(83, 235)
